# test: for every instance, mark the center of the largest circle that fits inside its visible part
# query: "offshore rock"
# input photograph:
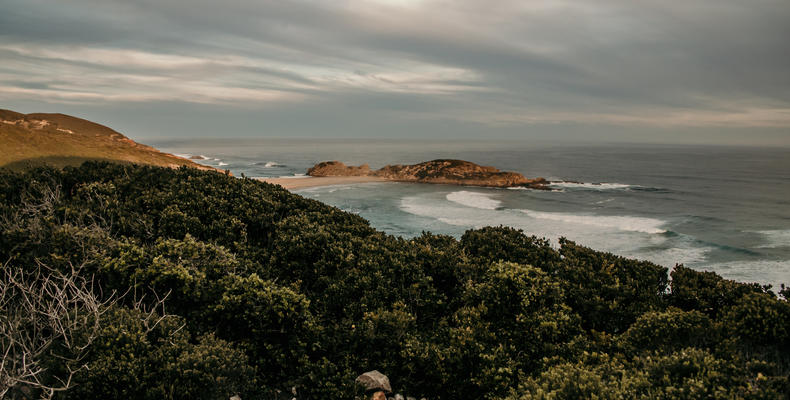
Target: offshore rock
(453, 172)
(337, 168)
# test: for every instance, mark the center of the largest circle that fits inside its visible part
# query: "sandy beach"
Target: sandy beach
(309, 182)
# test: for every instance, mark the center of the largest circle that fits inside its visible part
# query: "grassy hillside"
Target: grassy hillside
(185, 284)
(59, 140)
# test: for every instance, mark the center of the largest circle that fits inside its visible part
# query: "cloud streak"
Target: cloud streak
(509, 64)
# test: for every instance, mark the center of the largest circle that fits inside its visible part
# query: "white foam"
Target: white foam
(477, 211)
(637, 237)
(417, 206)
(294, 176)
(773, 272)
(624, 223)
(633, 237)
(679, 253)
(325, 189)
(590, 186)
(268, 164)
(222, 163)
(479, 200)
(775, 238)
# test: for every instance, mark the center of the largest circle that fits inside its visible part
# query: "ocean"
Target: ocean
(721, 209)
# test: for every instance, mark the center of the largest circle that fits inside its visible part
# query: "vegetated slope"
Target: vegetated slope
(57, 139)
(266, 290)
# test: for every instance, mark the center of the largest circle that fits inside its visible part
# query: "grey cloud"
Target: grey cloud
(517, 64)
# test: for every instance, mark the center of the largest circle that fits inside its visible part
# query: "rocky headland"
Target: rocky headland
(452, 172)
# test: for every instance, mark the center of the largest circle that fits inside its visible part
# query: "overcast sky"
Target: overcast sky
(697, 71)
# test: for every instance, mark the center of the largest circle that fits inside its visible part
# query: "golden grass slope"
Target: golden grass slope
(28, 140)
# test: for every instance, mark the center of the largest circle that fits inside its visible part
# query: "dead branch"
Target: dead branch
(45, 314)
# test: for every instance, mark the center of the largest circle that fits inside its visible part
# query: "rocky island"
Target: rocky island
(452, 172)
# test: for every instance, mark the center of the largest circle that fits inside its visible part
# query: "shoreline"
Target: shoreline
(316, 181)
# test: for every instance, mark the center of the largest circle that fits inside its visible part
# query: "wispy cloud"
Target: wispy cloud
(509, 63)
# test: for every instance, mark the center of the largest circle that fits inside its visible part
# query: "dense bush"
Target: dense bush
(219, 286)
(141, 356)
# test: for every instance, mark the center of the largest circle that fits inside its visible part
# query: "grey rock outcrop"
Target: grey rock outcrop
(374, 380)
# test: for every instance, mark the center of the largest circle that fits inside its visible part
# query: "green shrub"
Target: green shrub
(669, 330)
(266, 290)
(145, 356)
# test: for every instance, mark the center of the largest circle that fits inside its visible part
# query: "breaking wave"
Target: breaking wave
(589, 186)
(295, 176)
(269, 164)
(775, 238)
(623, 223)
(474, 199)
(771, 272)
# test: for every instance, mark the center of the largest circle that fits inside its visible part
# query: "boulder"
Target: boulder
(374, 381)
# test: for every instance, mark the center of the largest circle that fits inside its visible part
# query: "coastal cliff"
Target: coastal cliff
(453, 172)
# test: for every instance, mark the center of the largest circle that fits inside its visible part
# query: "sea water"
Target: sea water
(722, 209)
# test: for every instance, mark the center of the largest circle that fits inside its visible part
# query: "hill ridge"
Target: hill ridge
(60, 139)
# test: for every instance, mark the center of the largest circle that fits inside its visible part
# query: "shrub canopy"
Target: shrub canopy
(228, 286)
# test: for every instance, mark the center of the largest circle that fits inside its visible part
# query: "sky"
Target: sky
(692, 71)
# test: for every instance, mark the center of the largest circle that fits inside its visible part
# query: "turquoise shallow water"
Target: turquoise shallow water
(712, 208)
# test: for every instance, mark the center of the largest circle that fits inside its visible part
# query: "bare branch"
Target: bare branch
(45, 313)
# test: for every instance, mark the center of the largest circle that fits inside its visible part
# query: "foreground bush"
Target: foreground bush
(212, 286)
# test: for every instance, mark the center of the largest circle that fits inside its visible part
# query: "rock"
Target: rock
(337, 168)
(236, 397)
(454, 172)
(198, 158)
(374, 380)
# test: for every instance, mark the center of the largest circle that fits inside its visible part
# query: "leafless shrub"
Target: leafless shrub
(37, 203)
(45, 314)
(152, 313)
